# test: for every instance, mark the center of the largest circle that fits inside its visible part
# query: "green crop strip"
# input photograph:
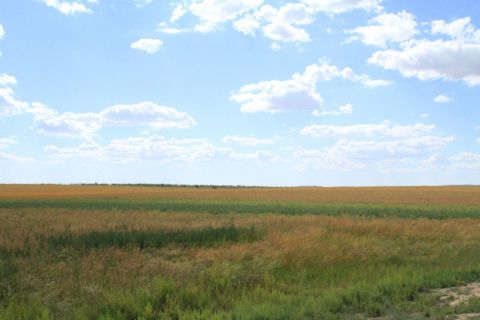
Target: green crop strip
(205, 237)
(226, 207)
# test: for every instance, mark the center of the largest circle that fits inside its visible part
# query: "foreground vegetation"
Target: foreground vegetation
(236, 257)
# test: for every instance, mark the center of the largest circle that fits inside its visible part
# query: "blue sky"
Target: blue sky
(252, 92)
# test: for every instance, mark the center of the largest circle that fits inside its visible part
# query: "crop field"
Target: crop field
(165, 252)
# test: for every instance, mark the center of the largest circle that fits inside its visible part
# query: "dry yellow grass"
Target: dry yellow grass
(448, 195)
(298, 238)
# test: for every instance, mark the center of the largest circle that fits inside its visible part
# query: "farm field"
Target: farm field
(165, 252)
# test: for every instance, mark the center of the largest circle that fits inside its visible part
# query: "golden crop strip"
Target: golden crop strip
(445, 195)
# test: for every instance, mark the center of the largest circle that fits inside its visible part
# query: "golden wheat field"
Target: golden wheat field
(447, 195)
(146, 252)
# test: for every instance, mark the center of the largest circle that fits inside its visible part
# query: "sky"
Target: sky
(240, 92)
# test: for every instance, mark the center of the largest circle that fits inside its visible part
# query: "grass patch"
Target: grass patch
(205, 237)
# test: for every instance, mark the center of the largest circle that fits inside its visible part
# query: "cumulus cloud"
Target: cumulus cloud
(385, 129)
(178, 12)
(164, 28)
(283, 24)
(275, 46)
(154, 148)
(342, 110)
(247, 25)
(9, 105)
(7, 142)
(297, 93)
(86, 125)
(443, 99)
(247, 141)
(146, 113)
(460, 29)
(466, 160)
(213, 13)
(2, 32)
(68, 7)
(6, 79)
(448, 59)
(286, 33)
(69, 124)
(341, 6)
(150, 46)
(134, 149)
(384, 146)
(358, 154)
(140, 3)
(386, 27)
(15, 158)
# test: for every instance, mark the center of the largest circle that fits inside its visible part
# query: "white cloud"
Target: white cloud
(283, 24)
(86, 125)
(68, 124)
(6, 79)
(247, 141)
(286, 33)
(380, 154)
(341, 6)
(384, 146)
(297, 93)
(178, 12)
(7, 142)
(443, 99)
(12, 157)
(150, 46)
(386, 27)
(213, 13)
(133, 149)
(342, 110)
(460, 29)
(146, 113)
(275, 46)
(257, 156)
(2, 32)
(466, 160)
(247, 25)
(373, 83)
(348, 74)
(454, 59)
(385, 129)
(163, 28)
(275, 95)
(142, 3)
(155, 148)
(10, 106)
(67, 7)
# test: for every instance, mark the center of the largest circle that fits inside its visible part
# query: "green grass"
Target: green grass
(52, 281)
(205, 237)
(251, 291)
(255, 207)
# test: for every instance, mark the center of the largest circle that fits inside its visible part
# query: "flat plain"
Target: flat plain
(206, 252)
